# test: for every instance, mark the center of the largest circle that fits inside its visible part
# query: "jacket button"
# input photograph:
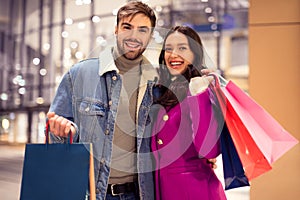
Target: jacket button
(97, 191)
(159, 141)
(165, 117)
(110, 102)
(87, 109)
(114, 78)
(106, 132)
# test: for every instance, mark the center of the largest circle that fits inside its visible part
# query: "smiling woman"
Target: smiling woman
(182, 157)
(181, 58)
(178, 54)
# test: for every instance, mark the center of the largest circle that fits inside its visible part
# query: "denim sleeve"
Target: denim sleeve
(62, 104)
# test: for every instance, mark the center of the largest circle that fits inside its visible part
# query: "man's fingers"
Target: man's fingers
(52, 122)
(59, 126)
(69, 128)
(50, 114)
(62, 126)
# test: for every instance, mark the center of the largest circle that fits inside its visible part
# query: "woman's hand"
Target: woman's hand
(199, 84)
(207, 71)
(212, 162)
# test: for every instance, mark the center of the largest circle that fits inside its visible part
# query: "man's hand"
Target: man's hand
(60, 126)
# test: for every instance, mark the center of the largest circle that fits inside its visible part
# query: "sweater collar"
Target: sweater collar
(123, 64)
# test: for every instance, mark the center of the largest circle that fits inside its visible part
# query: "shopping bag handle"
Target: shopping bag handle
(219, 80)
(47, 131)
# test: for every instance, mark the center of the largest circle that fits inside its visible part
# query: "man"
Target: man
(99, 101)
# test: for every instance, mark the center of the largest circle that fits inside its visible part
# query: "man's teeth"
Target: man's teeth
(132, 45)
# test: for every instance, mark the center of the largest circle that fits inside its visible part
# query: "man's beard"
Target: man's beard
(130, 55)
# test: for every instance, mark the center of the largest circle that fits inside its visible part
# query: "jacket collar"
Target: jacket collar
(106, 64)
(106, 61)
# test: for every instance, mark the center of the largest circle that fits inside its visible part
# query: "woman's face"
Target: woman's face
(178, 54)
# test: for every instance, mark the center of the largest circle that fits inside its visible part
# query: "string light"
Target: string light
(43, 72)
(81, 25)
(4, 96)
(5, 124)
(115, 12)
(69, 21)
(46, 46)
(36, 61)
(96, 19)
(22, 90)
(39, 100)
(65, 34)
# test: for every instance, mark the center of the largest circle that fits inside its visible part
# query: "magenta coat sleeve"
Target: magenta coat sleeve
(205, 124)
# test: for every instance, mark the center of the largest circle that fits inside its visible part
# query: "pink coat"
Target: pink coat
(181, 149)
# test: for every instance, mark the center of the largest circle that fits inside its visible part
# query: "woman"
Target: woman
(186, 130)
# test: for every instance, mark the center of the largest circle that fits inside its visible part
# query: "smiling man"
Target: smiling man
(133, 35)
(99, 100)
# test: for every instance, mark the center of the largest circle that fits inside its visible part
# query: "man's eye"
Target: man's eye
(142, 30)
(126, 27)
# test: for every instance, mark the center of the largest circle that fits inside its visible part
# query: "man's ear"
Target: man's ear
(152, 33)
(116, 30)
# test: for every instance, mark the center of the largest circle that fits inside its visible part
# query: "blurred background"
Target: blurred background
(42, 39)
(252, 42)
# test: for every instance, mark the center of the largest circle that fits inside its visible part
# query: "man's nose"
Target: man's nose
(134, 33)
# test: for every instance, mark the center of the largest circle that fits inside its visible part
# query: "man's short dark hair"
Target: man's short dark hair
(136, 7)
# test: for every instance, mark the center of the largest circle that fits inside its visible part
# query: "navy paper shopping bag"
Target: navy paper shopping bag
(234, 174)
(58, 172)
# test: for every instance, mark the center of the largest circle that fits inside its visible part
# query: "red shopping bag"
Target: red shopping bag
(271, 138)
(253, 160)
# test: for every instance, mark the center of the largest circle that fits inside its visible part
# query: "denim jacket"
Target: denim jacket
(88, 95)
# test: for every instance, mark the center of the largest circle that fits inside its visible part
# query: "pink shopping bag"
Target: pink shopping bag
(253, 160)
(271, 138)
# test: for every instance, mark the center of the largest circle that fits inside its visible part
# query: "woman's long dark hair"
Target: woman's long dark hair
(173, 92)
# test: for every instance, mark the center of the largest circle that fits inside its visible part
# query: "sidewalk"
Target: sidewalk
(11, 165)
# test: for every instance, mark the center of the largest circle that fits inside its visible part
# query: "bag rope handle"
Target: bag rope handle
(220, 81)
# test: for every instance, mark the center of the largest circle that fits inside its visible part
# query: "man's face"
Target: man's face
(133, 35)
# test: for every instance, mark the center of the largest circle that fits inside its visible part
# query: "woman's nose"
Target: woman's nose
(173, 53)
